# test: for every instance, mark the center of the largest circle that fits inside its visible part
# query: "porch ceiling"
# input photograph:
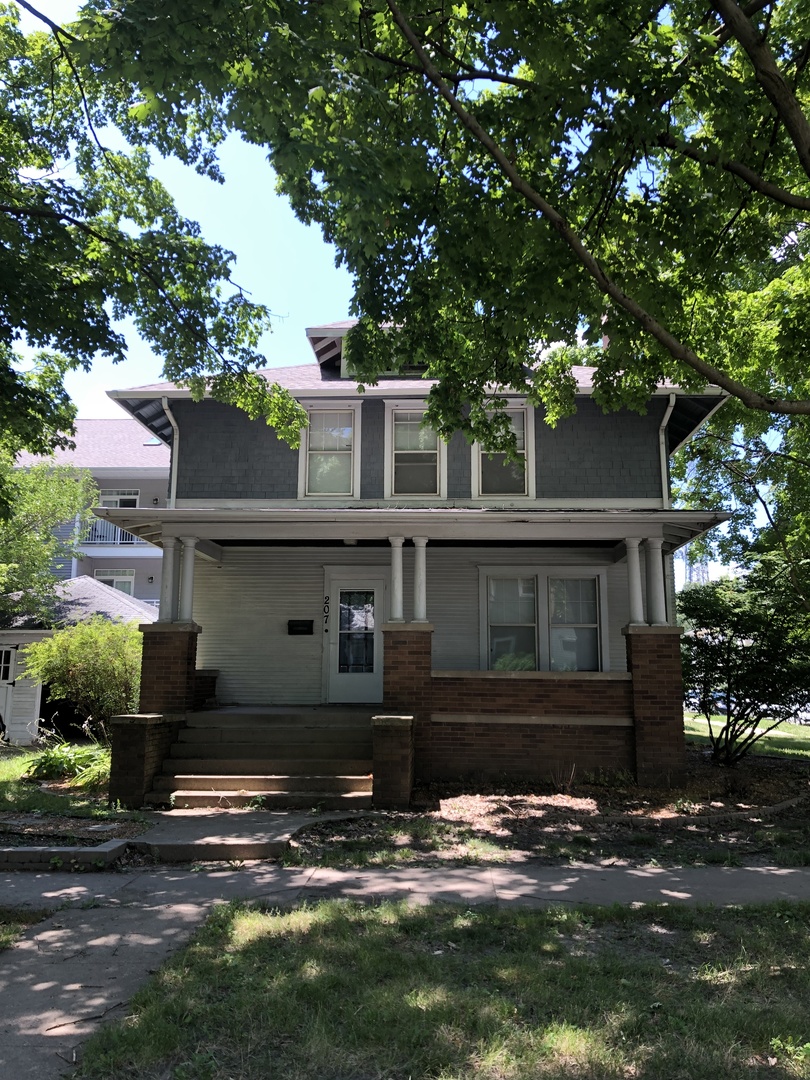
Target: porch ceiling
(313, 526)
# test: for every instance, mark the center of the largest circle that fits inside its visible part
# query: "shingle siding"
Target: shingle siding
(372, 441)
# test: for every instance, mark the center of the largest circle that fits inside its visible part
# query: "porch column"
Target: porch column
(656, 591)
(419, 579)
(396, 543)
(168, 608)
(631, 543)
(187, 579)
(175, 558)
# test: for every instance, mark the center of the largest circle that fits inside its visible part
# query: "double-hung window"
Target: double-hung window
(122, 580)
(542, 620)
(329, 462)
(495, 477)
(415, 465)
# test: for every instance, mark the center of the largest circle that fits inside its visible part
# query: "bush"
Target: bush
(88, 764)
(746, 656)
(96, 665)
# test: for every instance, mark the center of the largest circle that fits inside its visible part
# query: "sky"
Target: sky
(281, 263)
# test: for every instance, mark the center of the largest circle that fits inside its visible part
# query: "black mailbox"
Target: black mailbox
(300, 626)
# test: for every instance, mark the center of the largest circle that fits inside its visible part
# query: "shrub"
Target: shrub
(96, 665)
(87, 764)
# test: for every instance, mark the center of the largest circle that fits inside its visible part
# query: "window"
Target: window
(329, 464)
(117, 497)
(123, 580)
(495, 477)
(415, 460)
(542, 619)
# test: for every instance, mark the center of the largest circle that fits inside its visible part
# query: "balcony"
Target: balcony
(104, 532)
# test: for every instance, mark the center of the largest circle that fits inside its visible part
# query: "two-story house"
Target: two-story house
(497, 620)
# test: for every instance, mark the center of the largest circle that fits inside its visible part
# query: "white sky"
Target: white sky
(279, 261)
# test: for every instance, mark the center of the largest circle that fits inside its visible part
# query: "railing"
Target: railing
(104, 532)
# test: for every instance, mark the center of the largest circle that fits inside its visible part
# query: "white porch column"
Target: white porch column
(396, 543)
(168, 609)
(419, 579)
(185, 613)
(656, 591)
(631, 543)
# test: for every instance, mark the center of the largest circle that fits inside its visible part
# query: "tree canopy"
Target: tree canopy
(88, 237)
(501, 177)
(49, 508)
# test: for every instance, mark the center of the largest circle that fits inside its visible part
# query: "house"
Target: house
(131, 468)
(22, 700)
(493, 620)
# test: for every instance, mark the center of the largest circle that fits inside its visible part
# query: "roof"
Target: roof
(80, 598)
(108, 444)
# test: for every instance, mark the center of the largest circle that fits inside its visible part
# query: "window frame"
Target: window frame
(478, 452)
(117, 573)
(542, 575)
(324, 406)
(411, 406)
(111, 497)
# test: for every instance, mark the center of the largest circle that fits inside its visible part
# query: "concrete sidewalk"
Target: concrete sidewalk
(110, 931)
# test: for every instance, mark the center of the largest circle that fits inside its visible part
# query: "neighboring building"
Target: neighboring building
(522, 617)
(131, 467)
(21, 700)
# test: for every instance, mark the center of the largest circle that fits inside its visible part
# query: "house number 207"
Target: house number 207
(326, 614)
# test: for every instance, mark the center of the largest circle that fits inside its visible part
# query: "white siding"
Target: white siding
(244, 604)
(24, 724)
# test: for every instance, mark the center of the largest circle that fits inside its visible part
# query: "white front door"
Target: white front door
(6, 685)
(354, 639)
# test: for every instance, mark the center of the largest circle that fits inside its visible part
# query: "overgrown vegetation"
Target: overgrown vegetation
(746, 657)
(21, 796)
(14, 921)
(96, 665)
(344, 990)
(86, 765)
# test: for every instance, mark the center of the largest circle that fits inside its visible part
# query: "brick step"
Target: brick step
(323, 800)
(264, 783)
(248, 766)
(268, 750)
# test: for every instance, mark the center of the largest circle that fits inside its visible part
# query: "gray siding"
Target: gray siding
(244, 604)
(459, 467)
(593, 455)
(372, 443)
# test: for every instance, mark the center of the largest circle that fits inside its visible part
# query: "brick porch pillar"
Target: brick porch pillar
(654, 661)
(392, 761)
(139, 745)
(407, 682)
(168, 667)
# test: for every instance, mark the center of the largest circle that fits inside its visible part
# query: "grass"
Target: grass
(13, 921)
(790, 740)
(341, 991)
(21, 796)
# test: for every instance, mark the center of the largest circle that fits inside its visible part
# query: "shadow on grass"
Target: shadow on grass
(339, 990)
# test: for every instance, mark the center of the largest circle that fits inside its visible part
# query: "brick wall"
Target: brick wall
(168, 667)
(139, 745)
(392, 742)
(654, 661)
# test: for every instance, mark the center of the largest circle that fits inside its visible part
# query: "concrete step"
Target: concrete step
(323, 800)
(312, 718)
(360, 766)
(266, 749)
(275, 734)
(264, 783)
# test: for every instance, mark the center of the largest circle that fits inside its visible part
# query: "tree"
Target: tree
(49, 508)
(88, 236)
(96, 665)
(500, 177)
(746, 656)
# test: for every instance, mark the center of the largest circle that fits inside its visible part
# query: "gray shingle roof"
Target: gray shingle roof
(107, 444)
(82, 597)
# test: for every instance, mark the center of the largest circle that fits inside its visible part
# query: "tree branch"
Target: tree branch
(736, 168)
(55, 28)
(751, 398)
(769, 77)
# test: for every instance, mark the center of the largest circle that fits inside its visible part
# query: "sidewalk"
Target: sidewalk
(110, 931)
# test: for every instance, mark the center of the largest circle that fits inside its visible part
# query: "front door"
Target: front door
(354, 645)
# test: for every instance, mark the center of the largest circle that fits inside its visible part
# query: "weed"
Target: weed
(258, 802)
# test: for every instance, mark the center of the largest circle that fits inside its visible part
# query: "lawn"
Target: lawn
(791, 740)
(341, 991)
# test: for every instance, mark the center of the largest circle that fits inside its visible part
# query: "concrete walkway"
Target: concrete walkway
(110, 931)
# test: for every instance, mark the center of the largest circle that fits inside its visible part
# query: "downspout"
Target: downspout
(175, 447)
(662, 453)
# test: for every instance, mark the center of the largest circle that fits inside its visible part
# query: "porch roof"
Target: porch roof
(216, 529)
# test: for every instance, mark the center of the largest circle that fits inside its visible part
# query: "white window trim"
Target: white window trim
(528, 435)
(415, 405)
(119, 493)
(117, 573)
(542, 574)
(323, 405)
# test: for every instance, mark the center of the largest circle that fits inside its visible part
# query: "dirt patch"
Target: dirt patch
(756, 814)
(32, 829)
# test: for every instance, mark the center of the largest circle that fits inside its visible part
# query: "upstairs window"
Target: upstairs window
(118, 498)
(494, 476)
(330, 453)
(122, 580)
(415, 460)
